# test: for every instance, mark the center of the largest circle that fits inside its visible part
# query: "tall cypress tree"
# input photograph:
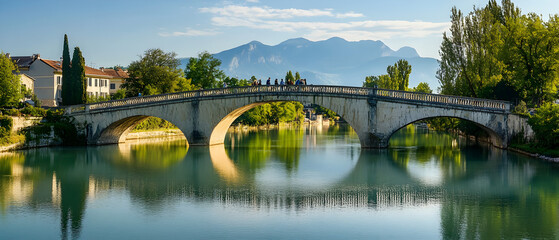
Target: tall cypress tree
(78, 77)
(66, 75)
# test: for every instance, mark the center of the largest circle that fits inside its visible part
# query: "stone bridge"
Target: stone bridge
(375, 114)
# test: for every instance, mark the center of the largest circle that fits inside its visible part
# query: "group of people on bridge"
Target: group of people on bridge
(276, 82)
(281, 82)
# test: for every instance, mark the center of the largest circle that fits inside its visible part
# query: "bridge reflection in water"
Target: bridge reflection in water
(476, 189)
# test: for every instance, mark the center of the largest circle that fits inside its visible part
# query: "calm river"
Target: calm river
(280, 184)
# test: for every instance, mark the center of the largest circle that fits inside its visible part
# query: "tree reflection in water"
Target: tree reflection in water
(482, 192)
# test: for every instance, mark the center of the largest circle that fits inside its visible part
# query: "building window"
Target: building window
(113, 86)
(96, 81)
(106, 82)
(89, 80)
(58, 80)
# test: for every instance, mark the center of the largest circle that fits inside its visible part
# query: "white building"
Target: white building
(48, 79)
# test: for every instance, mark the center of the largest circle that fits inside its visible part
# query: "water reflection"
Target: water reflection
(481, 192)
(223, 165)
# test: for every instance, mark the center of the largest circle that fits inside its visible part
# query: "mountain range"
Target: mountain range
(329, 62)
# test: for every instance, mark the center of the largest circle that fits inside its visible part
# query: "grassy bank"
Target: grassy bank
(530, 148)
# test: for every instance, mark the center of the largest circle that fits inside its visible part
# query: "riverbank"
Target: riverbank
(156, 133)
(551, 155)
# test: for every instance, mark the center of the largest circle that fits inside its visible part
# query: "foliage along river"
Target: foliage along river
(280, 184)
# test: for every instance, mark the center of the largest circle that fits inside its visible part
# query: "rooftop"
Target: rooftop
(115, 73)
(88, 70)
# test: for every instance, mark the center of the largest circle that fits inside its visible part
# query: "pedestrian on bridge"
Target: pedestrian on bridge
(269, 81)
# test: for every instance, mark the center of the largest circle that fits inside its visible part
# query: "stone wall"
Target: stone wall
(23, 122)
(520, 123)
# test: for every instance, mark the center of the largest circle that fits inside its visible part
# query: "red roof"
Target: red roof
(118, 73)
(88, 70)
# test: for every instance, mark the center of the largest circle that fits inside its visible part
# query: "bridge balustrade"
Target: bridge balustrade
(444, 99)
(358, 91)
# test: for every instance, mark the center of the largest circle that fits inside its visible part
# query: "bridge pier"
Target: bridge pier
(196, 138)
(371, 140)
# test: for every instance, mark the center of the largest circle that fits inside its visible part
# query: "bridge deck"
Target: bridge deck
(484, 104)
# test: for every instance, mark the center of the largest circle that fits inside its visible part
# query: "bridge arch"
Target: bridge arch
(494, 138)
(356, 117)
(116, 132)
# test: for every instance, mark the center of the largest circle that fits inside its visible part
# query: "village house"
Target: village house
(48, 79)
(27, 81)
(118, 75)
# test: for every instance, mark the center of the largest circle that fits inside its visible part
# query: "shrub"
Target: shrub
(545, 124)
(54, 115)
(521, 109)
(13, 112)
(6, 125)
(34, 111)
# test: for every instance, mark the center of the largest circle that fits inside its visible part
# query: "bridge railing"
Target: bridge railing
(445, 99)
(328, 89)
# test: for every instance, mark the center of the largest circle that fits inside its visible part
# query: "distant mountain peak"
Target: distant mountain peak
(295, 41)
(254, 42)
(335, 39)
(253, 45)
(406, 52)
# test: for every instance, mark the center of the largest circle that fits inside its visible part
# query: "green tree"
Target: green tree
(534, 64)
(67, 87)
(381, 81)
(156, 72)
(289, 76)
(404, 70)
(184, 85)
(546, 125)
(204, 71)
(297, 76)
(10, 83)
(273, 113)
(498, 52)
(470, 64)
(397, 77)
(423, 87)
(78, 78)
(119, 94)
(234, 82)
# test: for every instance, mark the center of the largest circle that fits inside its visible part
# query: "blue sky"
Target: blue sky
(116, 32)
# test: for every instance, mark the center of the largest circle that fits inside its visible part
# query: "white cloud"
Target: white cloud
(189, 33)
(252, 1)
(286, 20)
(349, 15)
(264, 12)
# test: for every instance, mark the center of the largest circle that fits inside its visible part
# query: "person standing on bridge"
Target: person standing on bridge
(276, 82)
(224, 85)
(269, 81)
(282, 82)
